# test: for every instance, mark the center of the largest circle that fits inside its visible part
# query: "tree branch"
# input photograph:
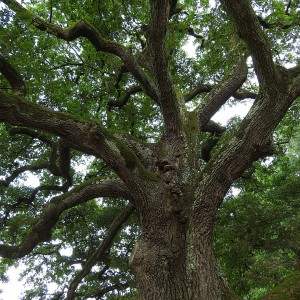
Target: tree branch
(249, 29)
(119, 103)
(118, 286)
(32, 133)
(288, 7)
(191, 32)
(206, 88)
(59, 161)
(214, 128)
(29, 200)
(34, 167)
(85, 29)
(294, 74)
(156, 35)
(203, 88)
(88, 137)
(101, 249)
(229, 84)
(41, 230)
(266, 25)
(244, 94)
(12, 76)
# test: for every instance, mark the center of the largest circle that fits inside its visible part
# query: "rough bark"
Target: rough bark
(175, 194)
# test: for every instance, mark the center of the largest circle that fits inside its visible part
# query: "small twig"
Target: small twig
(288, 7)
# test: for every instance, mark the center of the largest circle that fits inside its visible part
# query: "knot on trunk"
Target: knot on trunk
(165, 166)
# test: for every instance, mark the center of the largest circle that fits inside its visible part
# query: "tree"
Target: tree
(258, 247)
(108, 85)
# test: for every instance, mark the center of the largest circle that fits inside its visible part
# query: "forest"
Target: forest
(117, 181)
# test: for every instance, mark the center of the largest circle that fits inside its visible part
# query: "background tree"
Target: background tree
(107, 85)
(258, 247)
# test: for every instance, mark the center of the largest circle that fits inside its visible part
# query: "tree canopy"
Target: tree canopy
(109, 150)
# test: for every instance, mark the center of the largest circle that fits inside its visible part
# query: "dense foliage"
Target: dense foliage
(258, 230)
(104, 76)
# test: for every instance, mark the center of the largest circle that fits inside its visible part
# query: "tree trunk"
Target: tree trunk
(174, 257)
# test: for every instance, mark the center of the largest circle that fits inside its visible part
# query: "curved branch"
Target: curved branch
(214, 128)
(59, 162)
(85, 29)
(250, 31)
(32, 133)
(119, 103)
(88, 137)
(191, 32)
(34, 167)
(117, 286)
(244, 94)
(229, 84)
(206, 88)
(12, 76)
(203, 88)
(41, 230)
(29, 200)
(101, 249)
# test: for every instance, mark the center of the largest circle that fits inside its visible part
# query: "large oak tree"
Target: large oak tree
(107, 84)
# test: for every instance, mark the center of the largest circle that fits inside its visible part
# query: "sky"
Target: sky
(13, 289)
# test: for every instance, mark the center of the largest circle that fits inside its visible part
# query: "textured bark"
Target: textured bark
(174, 257)
(175, 192)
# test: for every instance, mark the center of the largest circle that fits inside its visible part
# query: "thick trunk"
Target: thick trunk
(206, 281)
(174, 257)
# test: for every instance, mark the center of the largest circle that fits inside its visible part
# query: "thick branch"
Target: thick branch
(203, 88)
(229, 84)
(294, 74)
(88, 137)
(32, 133)
(207, 147)
(244, 94)
(250, 31)
(85, 29)
(251, 141)
(101, 249)
(41, 230)
(206, 88)
(160, 10)
(12, 76)
(16, 111)
(214, 128)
